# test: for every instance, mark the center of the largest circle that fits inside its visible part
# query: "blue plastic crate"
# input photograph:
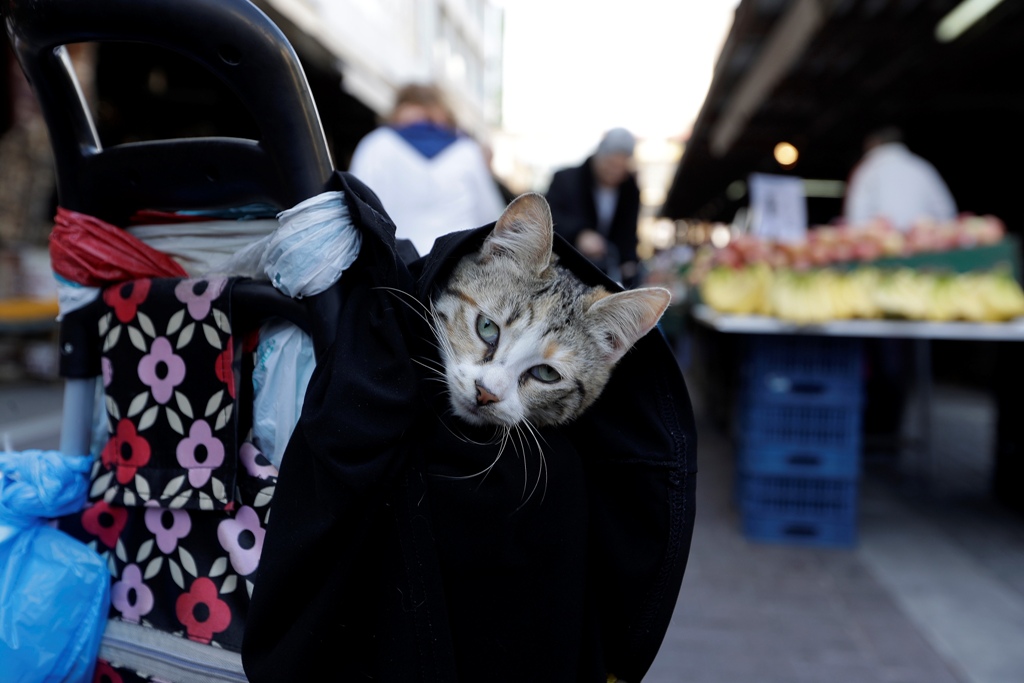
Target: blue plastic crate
(799, 461)
(815, 498)
(810, 355)
(799, 532)
(802, 510)
(793, 368)
(808, 425)
(779, 387)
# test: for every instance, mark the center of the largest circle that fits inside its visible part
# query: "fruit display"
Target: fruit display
(821, 295)
(861, 272)
(830, 244)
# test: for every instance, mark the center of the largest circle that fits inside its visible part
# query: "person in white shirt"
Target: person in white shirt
(431, 178)
(895, 184)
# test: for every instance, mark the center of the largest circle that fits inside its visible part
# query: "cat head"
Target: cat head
(521, 337)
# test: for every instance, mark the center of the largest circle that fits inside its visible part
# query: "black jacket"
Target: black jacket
(385, 560)
(571, 196)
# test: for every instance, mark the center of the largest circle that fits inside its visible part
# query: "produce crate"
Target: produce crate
(801, 370)
(795, 461)
(819, 511)
(798, 406)
(803, 427)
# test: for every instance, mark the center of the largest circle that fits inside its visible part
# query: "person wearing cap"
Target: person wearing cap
(596, 206)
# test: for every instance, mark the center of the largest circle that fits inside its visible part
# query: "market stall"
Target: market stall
(800, 314)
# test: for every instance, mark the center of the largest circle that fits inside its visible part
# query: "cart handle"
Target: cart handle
(234, 40)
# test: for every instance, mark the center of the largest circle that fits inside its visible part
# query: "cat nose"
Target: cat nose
(484, 396)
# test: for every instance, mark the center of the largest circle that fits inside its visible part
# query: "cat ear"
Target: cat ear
(524, 232)
(621, 319)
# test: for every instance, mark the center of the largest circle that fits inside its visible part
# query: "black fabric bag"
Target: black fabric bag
(385, 560)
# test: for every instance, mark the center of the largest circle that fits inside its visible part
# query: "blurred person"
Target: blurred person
(431, 178)
(596, 206)
(893, 183)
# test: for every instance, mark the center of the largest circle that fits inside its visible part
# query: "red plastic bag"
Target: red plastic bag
(94, 253)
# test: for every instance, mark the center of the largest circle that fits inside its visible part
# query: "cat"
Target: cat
(522, 340)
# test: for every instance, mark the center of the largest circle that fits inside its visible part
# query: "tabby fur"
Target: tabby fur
(522, 339)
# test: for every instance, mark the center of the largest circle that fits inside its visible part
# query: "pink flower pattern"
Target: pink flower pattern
(242, 536)
(198, 294)
(255, 462)
(131, 596)
(168, 526)
(176, 567)
(200, 452)
(161, 370)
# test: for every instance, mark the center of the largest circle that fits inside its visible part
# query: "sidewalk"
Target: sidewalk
(933, 592)
(30, 414)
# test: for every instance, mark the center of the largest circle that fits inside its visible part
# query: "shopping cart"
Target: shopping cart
(290, 162)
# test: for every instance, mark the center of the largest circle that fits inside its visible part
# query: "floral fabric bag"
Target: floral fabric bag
(179, 497)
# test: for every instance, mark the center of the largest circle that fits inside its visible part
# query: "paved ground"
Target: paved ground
(932, 593)
(30, 414)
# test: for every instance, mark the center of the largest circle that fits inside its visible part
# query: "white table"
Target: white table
(903, 329)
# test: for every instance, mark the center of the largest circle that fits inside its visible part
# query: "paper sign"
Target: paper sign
(778, 207)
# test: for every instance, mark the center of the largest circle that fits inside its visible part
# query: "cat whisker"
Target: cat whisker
(542, 462)
(436, 345)
(437, 327)
(437, 371)
(522, 456)
(486, 470)
(429, 363)
(462, 437)
(500, 432)
(508, 438)
(537, 439)
(501, 449)
(443, 419)
(535, 432)
(407, 299)
(425, 314)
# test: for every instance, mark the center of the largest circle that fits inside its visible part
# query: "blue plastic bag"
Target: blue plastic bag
(54, 590)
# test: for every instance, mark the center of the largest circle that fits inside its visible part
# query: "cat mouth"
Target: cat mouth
(467, 408)
(474, 414)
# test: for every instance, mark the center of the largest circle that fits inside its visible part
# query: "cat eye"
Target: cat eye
(545, 373)
(488, 330)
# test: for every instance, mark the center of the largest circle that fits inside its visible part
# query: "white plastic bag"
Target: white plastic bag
(313, 244)
(284, 364)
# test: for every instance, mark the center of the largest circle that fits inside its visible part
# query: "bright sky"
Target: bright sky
(575, 68)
